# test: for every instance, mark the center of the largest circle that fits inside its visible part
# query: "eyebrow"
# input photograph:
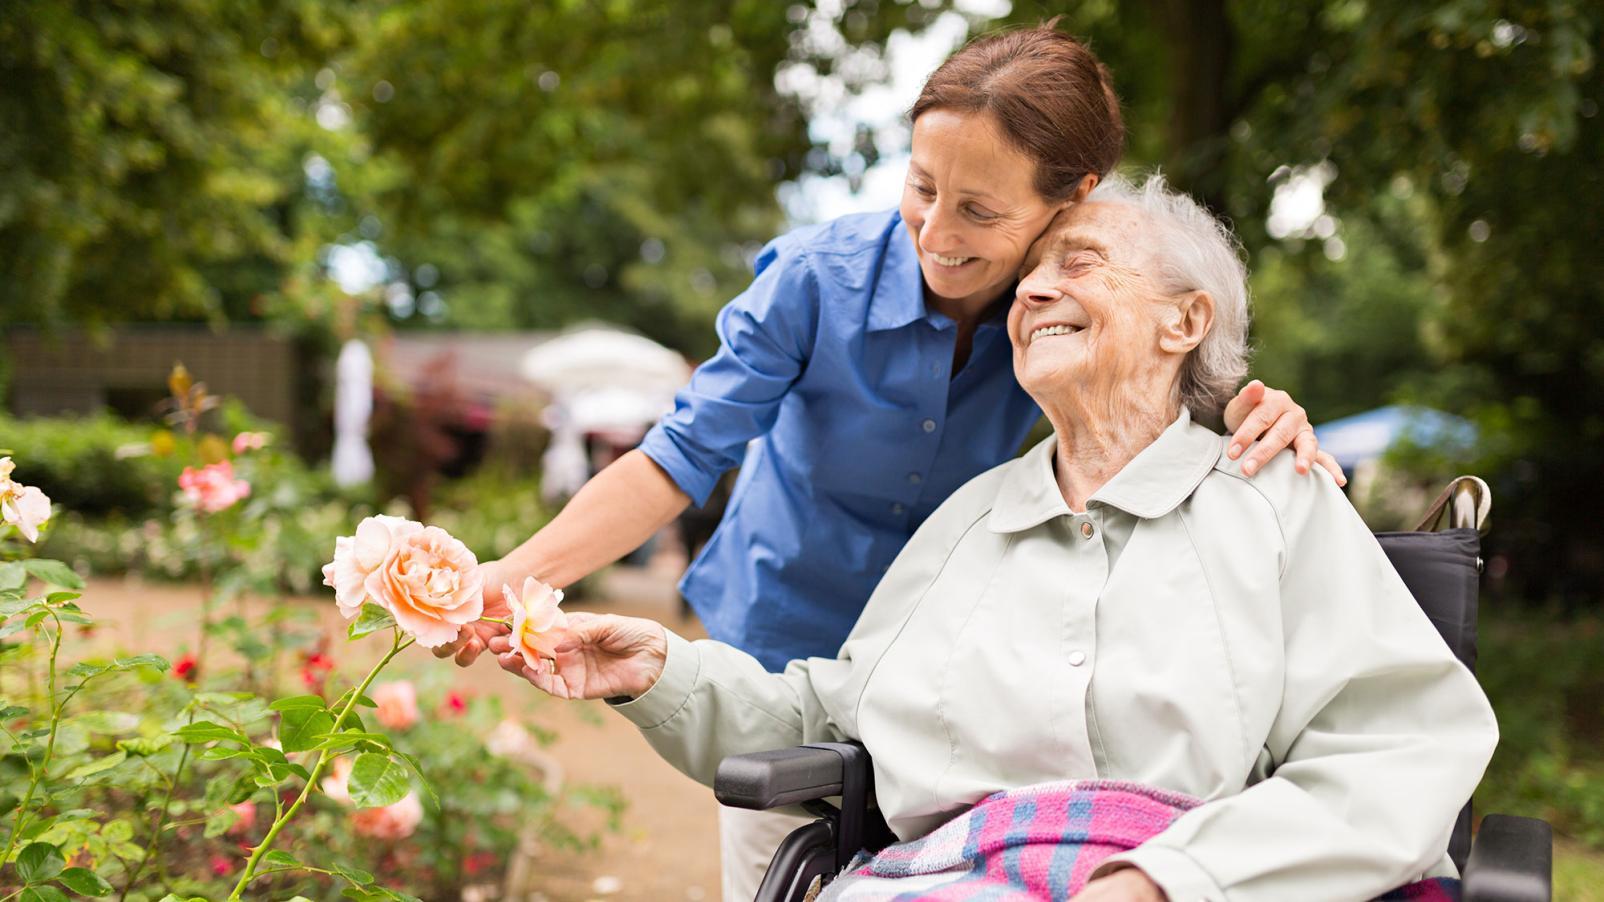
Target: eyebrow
(1075, 241)
(919, 171)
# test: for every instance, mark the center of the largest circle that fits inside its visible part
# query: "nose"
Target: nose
(1036, 290)
(937, 235)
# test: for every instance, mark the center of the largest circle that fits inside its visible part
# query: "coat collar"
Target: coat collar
(1154, 483)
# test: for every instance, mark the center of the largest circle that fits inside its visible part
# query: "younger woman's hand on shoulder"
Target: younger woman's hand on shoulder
(1270, 417)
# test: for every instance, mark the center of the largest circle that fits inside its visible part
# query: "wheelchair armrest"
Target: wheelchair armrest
(1512, 860)
(771, 779)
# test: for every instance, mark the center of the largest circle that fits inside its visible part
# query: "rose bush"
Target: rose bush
(118, 778)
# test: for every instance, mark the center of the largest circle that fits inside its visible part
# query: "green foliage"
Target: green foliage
(151, 164)
(1546, 682)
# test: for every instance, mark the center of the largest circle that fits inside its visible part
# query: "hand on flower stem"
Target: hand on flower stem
(603, 655)
(473, 638)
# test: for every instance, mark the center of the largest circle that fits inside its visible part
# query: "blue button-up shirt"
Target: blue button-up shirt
(833, 369)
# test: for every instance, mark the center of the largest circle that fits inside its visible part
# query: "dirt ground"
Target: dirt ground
(667, 848)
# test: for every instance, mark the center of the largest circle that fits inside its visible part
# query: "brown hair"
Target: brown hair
(1051, 95)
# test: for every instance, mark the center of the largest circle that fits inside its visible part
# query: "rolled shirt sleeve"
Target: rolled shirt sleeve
(766, 336)
(1381, 738)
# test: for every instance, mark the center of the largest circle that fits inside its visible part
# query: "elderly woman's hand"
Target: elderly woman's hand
(1272, 418)
(1124, 885)
(602, 656)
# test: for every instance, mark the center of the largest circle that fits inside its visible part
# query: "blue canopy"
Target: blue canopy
(1366, 436)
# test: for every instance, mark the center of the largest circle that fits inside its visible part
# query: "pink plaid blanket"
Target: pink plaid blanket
(1040, 842)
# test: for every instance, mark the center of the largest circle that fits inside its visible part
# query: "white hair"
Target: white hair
(1195, 252)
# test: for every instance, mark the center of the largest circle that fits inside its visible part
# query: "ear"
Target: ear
(1087, 183)
(1194, 316)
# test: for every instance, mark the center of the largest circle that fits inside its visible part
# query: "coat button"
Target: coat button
(928, 425)
(1086, 529)
(915, 479)
(897, 508)
(1077, 658)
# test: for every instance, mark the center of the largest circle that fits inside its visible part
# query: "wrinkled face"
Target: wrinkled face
(1089, 307)
(971, 205)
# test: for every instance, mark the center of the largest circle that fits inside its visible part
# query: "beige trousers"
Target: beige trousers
(747, 840)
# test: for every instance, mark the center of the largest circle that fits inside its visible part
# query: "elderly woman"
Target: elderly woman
(1119, 603)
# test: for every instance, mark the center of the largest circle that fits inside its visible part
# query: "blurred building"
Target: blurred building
(125, 370)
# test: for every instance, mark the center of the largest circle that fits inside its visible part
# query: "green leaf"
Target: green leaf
(39, 862)
(60, 597)
(298, 728)
(84, 882)
(98, 765)
(223, 753)
(117, 831)
(35, 618)
(145, 745)
(145, 660)
(86, 669)
(281, 859)
(377, 781)
(417, 769)
(361, 700)
(10, 712)
(206, 731)
(298, 701)
(371, 619)
(43, 894)
(355, 875)
(12, 576)
(54, 573)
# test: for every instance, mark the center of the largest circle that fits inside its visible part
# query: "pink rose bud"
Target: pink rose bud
(246, 812)
(398, 704)
(392, 822)
(537, 623)
(249, 441)
(213, 488)
(22, 506)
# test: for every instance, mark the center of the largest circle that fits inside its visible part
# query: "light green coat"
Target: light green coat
(1242, 641)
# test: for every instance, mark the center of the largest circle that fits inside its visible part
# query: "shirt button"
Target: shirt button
(1077, 658)
(1086, 529)
(935, 369)
(915, 479)
(928, 425)
(897, 508)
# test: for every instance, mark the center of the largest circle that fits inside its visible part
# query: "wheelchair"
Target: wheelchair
(1511, 859)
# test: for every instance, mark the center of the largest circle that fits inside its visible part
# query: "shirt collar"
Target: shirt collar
(899, 291)
(1154, 483)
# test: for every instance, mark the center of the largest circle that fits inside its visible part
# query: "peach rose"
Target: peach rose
(537, 623)
(391, 822)
(428, 581)
(213, 488)
(22, 506)
(337, 785)
(398, 705)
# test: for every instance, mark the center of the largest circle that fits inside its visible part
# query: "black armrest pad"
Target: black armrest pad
(1512, 860)
(763, 780)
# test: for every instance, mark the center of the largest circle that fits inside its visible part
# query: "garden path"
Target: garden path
(667, 848)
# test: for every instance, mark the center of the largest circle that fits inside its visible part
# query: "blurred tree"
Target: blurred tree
(593, 159)
(151, 154)
(1465, 155)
